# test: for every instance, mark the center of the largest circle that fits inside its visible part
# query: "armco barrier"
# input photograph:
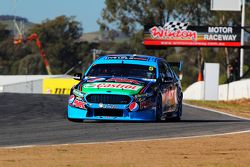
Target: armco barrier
(233, 91)
(58, 85)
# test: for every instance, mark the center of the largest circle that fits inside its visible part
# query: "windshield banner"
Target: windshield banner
(181, 34)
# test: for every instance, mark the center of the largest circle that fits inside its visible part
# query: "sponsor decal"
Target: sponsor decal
(127, 58)
(146, 104)
(71, 99)
(169, 97)
(101, 105)
(123, 80)
(95, 79)
(151, 68)
(133, 106)
(112, 85)
(107, 106)
(79, 104)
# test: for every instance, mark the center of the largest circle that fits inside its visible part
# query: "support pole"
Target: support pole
(94, 54)
(242, 37)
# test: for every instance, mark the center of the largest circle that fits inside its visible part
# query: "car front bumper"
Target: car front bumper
(88, 114)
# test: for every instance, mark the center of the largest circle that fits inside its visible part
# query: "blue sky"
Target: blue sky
(86, 11)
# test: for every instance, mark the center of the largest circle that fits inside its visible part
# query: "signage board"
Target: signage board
(181, 34)
(226, 5)
(211, 81)
(58, 85)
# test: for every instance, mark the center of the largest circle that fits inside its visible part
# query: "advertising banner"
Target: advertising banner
(226, 5)
(58, 85)
(181, 34)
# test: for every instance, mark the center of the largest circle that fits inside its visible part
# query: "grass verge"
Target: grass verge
(236, 107)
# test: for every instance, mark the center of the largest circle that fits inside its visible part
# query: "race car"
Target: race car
(126, 87)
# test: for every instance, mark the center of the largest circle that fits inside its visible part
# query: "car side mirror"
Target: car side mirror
(77, 76)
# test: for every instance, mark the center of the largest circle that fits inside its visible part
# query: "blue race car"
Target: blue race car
(126, 87)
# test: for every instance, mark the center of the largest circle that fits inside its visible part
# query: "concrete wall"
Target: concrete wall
(194, 91)
(24, 83)
(12, 79)
(234, 90)
(25, 87)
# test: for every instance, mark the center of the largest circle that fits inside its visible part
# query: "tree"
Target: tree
(9, 54)
(60, 40)
(128, 15)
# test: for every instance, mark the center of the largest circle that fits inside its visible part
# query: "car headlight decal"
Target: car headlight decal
(78, 93)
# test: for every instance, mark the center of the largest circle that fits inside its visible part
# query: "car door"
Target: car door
(166, 82)
(168, 87)
(173, 88)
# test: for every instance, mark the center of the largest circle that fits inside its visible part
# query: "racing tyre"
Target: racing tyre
(179, 111)
(158, 114)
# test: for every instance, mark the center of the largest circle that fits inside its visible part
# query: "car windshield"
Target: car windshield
(122, 70)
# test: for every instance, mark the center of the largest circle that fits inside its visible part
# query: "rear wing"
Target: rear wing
(176, 64)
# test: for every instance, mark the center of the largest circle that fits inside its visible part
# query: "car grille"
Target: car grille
(108, 99)
(108, 112)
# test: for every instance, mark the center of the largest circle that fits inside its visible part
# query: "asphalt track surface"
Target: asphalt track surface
(28, 119)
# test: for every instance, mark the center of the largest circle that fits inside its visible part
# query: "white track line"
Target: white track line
(128, 141)
(146, 140)
(216, 111)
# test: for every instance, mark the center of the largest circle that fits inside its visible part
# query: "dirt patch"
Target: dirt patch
(222, 151)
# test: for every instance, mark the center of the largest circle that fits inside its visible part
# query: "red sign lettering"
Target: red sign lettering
(164, 33)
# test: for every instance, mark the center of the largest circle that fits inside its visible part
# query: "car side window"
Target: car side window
(162, 70)
(169, 72)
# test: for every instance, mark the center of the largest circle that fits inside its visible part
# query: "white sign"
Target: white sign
(211, 79)
(226, 5)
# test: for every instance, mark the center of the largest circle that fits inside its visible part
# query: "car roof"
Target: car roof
(128, 59)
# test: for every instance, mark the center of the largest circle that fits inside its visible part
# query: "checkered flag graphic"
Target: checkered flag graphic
(174, 25)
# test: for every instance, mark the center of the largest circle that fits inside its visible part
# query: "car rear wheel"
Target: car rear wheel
(158, 114)
(178, 114)
(179, 110)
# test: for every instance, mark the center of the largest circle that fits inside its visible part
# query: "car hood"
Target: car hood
(112, 85)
